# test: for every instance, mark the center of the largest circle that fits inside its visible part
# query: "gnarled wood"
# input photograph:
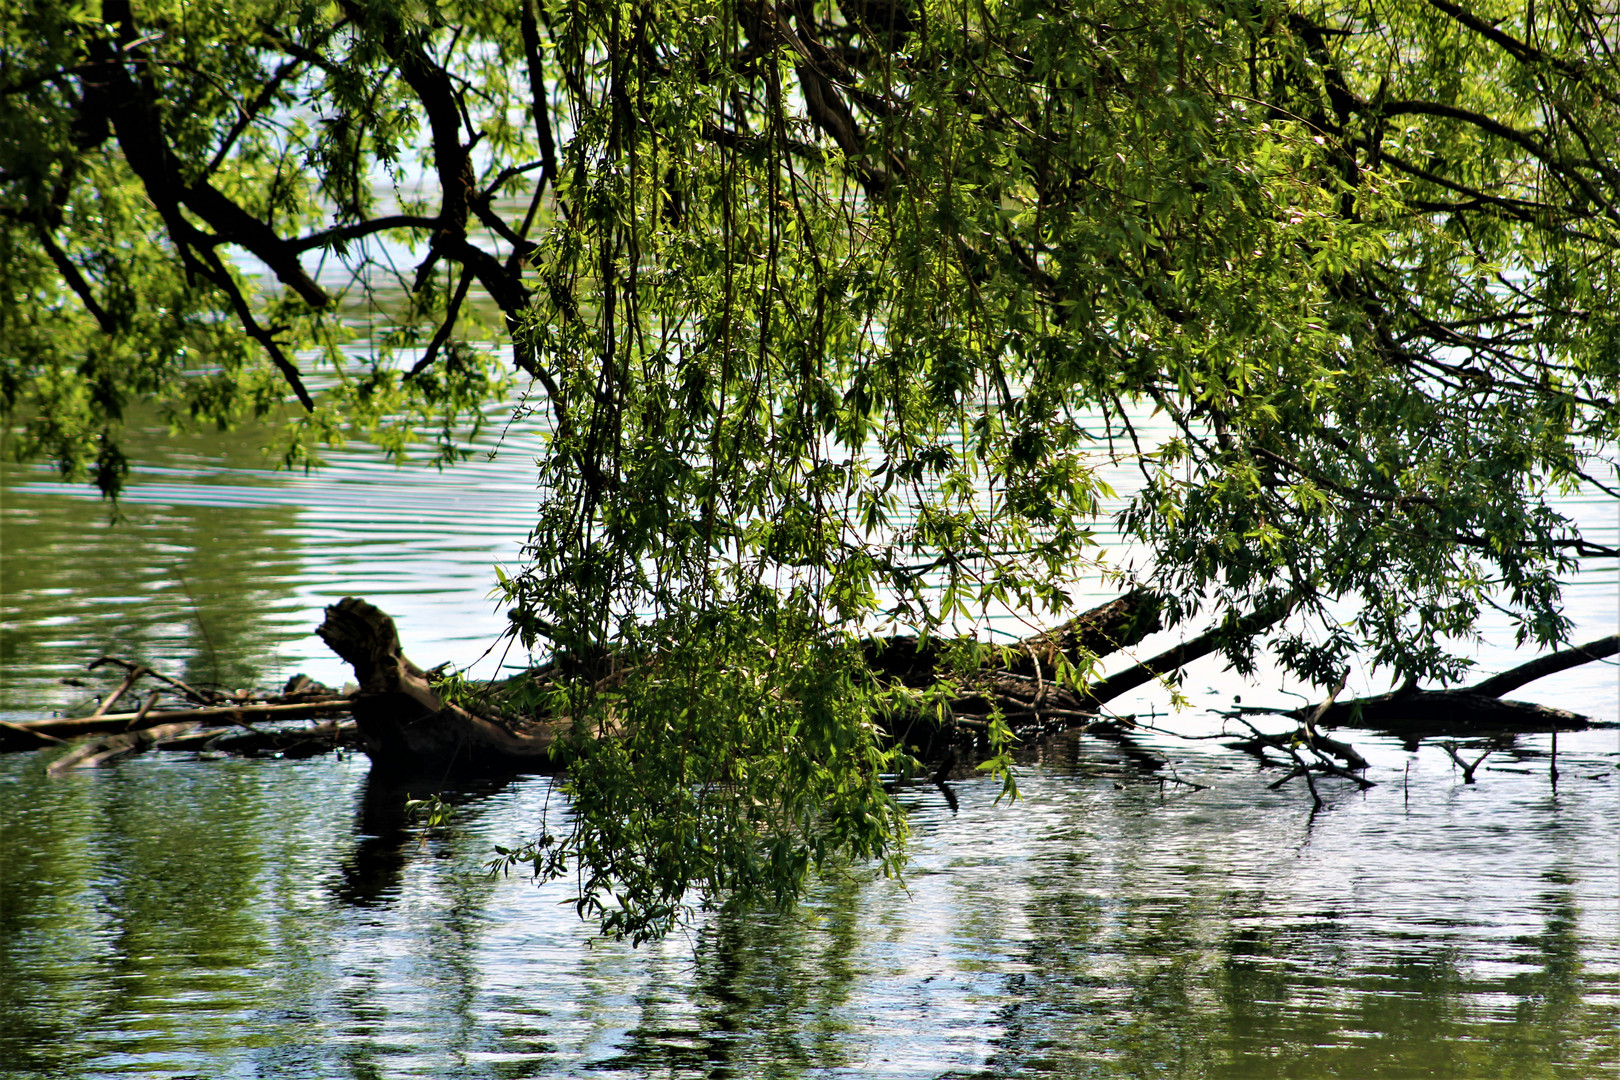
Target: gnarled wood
(1472, 708)
(1542, 666)
(30, 734)
(1116, 625)
(405, 725)
(1446, 712)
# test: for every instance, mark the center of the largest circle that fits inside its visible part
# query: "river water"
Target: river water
(179, 917)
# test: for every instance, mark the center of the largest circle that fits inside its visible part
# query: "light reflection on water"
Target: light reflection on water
(283, 919)
(220, 566)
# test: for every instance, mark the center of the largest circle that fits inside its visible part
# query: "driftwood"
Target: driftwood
(1116, 625)
(32, 734)
(180, 726)
(1179, 656)
(1471, 709)
(1474, 710)
(114, 747)
(297, 742)
(406, 726)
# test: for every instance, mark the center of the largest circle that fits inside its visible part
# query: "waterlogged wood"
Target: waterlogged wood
(1447, 712)
(137, 671)
(115, 747)
(1551, 664)
(1181, 655)
(288, 742)
(1103, 630)
(68, 727)
(1473, 708)
(405, 726)
(35, 738)
(112, 699)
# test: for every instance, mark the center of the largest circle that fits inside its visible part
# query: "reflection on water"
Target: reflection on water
(173, 917)
(216, 568)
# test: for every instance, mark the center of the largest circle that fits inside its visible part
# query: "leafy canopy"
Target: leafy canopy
(833, 310)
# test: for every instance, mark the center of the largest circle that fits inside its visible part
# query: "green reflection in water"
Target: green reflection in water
(191, 587)
(1218, 983)
(276, 919)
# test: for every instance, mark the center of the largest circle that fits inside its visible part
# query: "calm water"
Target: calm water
(184, 918)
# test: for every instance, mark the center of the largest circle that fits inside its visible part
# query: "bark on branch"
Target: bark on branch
(1471, 708)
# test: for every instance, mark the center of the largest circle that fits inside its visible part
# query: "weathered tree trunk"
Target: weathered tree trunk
(1115, 625)
(1472, 708)
(404, 725)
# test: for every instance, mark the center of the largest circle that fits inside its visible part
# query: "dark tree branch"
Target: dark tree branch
(1192, 649)
(76, 280)
(1542, 666)
(221, 278)
(342, 234)
(446, 327)
(539, 99)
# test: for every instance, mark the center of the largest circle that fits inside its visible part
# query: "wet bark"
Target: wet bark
(1470, 709)
(406, 726)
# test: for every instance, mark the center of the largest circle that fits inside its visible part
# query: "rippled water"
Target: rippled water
(282, 919)
(218, 566)
(177, 917)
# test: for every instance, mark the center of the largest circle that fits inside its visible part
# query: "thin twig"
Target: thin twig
(197, 696)
(110, 700)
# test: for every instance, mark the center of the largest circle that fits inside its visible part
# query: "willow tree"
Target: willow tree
(833, 309)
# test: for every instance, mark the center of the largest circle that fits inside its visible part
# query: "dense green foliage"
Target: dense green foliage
(835, 309)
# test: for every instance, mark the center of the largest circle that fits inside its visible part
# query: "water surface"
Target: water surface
(179, 917)
(230, 918)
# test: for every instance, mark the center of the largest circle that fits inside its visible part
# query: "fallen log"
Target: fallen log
(1471, 709)
(1447, 712)
(1103, 630)
(114, 748)
(286, 742)
(137, 671)
(31, 734)
(405, 726)
(1551, 664)
(1193, 648)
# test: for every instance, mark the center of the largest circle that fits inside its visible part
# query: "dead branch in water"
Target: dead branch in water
(1469, 709)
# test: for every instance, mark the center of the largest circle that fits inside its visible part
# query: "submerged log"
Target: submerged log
(31, 734)
(297, 742)
(1106, 629)
(405, 724)
(114, 747)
